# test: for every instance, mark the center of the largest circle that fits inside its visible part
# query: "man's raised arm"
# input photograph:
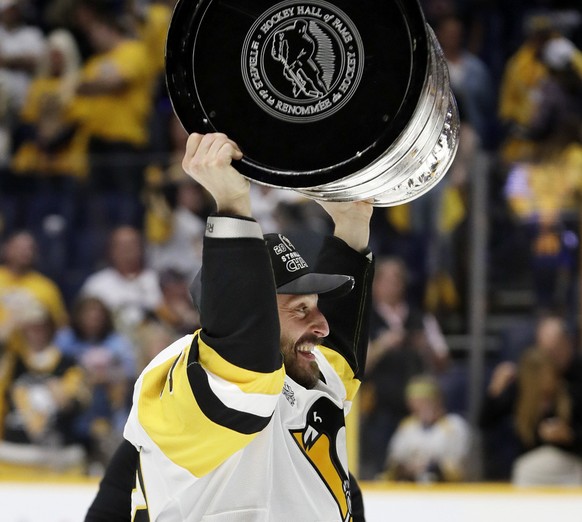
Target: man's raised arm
(347, 253)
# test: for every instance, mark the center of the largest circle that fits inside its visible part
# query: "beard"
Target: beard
(303, 372)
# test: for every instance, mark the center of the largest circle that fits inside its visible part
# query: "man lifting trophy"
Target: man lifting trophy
(346, 102)
(340, 100)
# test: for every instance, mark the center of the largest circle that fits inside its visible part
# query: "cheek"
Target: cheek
(291, 329)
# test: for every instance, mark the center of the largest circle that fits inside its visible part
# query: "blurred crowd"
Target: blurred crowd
(101, 234)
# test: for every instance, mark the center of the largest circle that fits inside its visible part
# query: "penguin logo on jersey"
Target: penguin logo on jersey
(318, 442)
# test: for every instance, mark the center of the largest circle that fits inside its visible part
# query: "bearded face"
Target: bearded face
(303, 327)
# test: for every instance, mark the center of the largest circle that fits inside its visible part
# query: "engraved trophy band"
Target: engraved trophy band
(340, 100)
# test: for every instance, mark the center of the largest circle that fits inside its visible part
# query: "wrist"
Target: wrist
(353, 235)
(237, 205)
(233, 197)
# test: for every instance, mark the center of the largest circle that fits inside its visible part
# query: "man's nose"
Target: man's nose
(319, 325)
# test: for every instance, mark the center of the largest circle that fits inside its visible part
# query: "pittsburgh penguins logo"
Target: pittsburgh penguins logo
(318, 441)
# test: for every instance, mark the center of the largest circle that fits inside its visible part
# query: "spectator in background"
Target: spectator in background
(21, 285)
(544, 192)
(92, 327)
(22, 48)
(115, 95)
(47, 117)
(519, 91)
(404, 342)
(175, 226)
(544, 197)
(109, 361)
(548, 425)
(502, 443)
(52, 153)
(127, 287)
(42, 392)
(560, 94)
(430, 445)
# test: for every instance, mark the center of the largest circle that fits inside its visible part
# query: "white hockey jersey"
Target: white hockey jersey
(295, 469)
(223, 434)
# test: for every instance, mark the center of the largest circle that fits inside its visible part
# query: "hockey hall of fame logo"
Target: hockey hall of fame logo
(302, 61)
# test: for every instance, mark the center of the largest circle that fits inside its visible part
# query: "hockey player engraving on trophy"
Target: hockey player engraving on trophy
(339, 100)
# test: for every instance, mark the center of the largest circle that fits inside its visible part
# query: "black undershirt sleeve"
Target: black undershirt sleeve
(113, 500)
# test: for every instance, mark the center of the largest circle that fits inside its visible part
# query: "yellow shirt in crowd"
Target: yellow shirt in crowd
(523, 75)
(17, 291)
(46, 105)
(545, 190)
(122, 116)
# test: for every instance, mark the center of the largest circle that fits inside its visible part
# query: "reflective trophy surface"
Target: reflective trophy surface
(339, 100)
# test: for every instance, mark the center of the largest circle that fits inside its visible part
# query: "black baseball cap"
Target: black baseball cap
(292, 273)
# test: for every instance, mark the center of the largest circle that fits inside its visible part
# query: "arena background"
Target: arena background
(490, 247)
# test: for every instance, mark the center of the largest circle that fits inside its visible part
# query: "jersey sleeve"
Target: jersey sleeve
(209, 395)
(348, 316)
(239, 315)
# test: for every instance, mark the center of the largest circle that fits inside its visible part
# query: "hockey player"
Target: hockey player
(245, 418)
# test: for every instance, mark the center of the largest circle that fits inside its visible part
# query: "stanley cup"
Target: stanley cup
(338, 100)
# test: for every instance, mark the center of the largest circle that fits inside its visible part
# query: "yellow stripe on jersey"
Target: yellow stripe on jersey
(175, 421)
(343, 369)
(247, 380)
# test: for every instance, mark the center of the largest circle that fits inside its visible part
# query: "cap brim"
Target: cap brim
(325, 285)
